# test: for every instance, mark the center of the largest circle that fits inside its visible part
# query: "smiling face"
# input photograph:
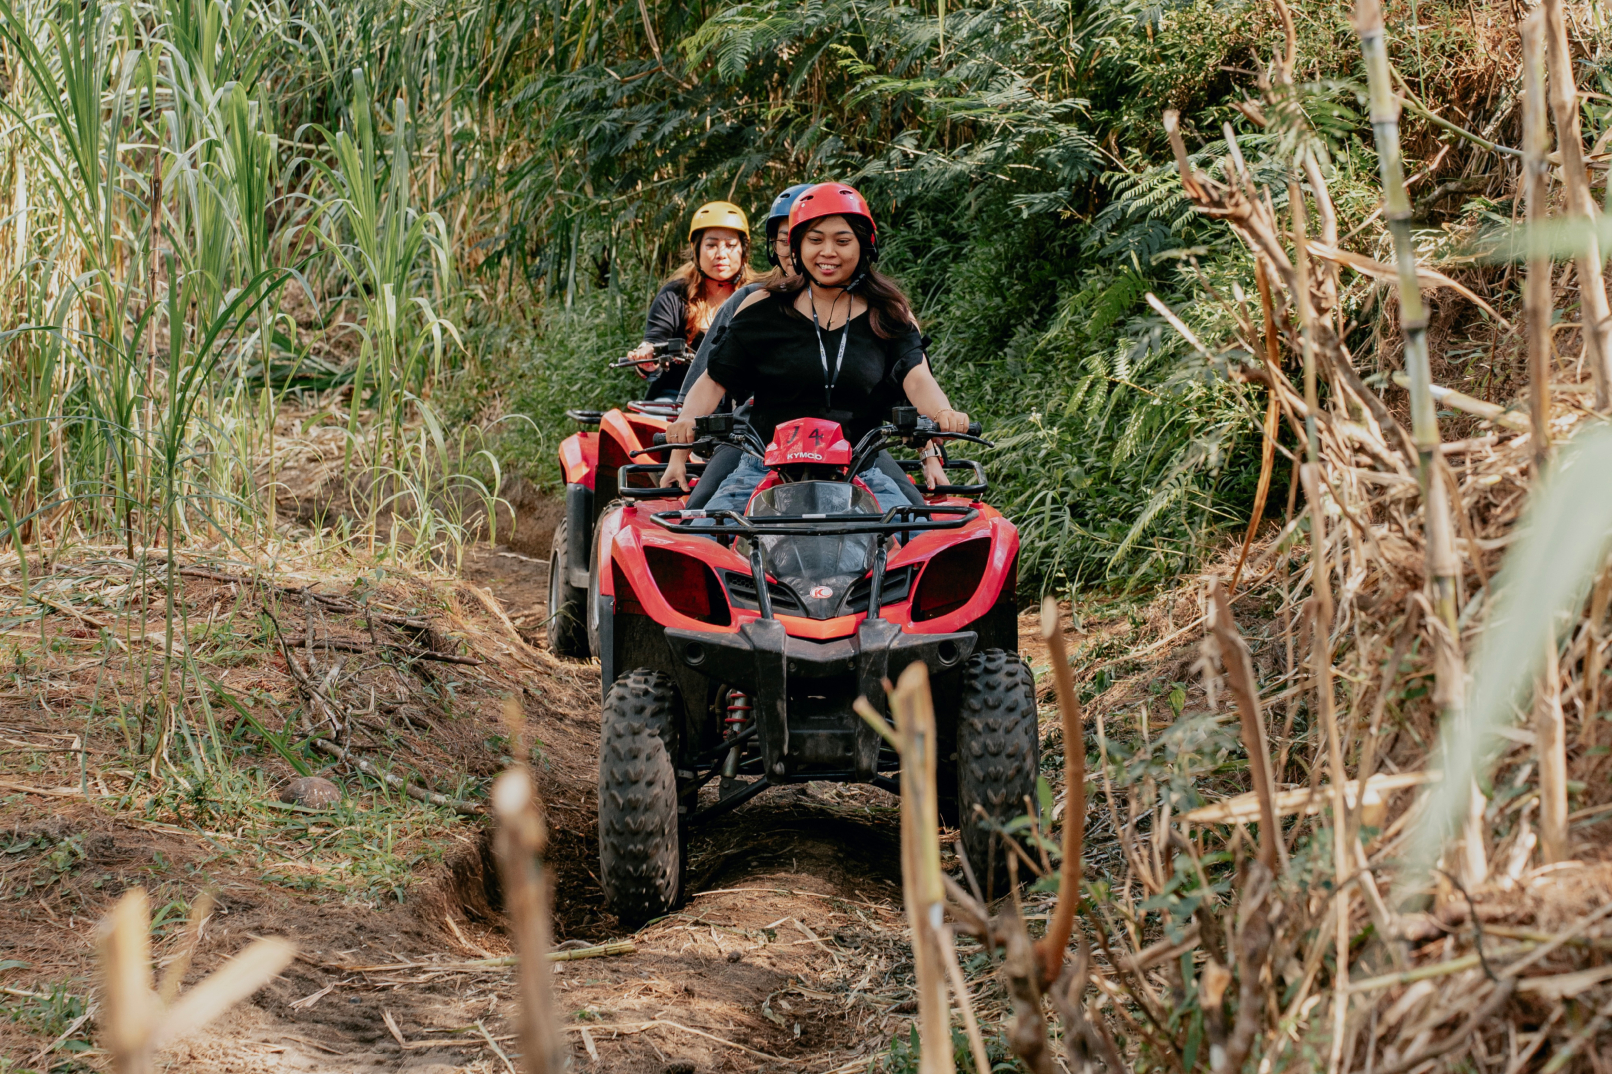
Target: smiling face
(830, 251)
(721, 253)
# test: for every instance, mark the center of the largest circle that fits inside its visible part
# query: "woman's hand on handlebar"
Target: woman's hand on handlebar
(951, 421)
(676, 471)
(644, 355)
(680, 431)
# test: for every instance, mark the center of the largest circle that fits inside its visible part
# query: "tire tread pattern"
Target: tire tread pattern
(998, 751)
(568, 605)
(640, 841)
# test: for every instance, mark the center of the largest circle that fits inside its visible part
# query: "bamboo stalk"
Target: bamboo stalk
(137, 1021)
(1536, 295)
(131, 1005)
(1240, 671)
(1550, 740)
(1441, 562)
(1580, 205)
(1442, 565)
(1549, 727)
(925, 891)
(1062, 923)
(521, 838)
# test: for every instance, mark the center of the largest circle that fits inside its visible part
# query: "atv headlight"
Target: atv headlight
(689, 586)
(951, 579)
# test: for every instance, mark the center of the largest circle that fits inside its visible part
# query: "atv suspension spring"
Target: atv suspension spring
(739, 708)
(739, 711)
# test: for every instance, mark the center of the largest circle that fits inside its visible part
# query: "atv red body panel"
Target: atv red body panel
(808, 441)
(673, 599)
(591, 463)
(579, 458)
(961, 576)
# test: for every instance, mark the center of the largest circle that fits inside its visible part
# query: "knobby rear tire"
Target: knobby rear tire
(998, 755)
(641, 848)
(568, 605)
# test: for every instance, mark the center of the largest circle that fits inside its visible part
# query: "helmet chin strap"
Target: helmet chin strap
(860, 275)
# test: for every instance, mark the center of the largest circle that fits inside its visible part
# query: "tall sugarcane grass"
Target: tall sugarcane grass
(200, 201)
(161, 215)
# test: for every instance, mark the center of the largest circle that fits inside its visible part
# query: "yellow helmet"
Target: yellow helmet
(719, 214)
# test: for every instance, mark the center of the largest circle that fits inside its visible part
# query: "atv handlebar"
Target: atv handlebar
(902, 518)
(667, 352)
(913, 428)
(906, 426)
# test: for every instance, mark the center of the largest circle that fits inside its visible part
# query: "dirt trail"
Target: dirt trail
(788, 956)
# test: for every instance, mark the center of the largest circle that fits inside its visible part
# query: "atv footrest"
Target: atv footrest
(804, 689)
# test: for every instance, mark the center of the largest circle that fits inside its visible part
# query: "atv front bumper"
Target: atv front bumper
(803, 690)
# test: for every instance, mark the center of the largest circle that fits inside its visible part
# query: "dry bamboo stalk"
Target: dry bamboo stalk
(1442, 564)
(1267, 459)
(521, 838)
(1581, 206)
(1321, 668)
(1536, 295)
(925, 891)
(125, 953)
(1062, 923)
(1240, 672)
(1550, 739)
(136, 1023)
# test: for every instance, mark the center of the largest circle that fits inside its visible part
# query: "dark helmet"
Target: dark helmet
(779, 214)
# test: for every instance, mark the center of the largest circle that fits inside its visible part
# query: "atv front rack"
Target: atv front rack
(974, 491)
(903, 518)
(653, 472)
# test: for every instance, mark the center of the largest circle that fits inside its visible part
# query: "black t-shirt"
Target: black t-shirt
(771, 350)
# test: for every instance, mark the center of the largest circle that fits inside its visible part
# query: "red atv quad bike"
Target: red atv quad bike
(590, 459)
(733, 645)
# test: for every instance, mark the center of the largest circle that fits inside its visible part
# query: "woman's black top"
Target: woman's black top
(771, 350)
(668, 319)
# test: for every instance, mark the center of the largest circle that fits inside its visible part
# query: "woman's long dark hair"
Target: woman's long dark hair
(889, 312)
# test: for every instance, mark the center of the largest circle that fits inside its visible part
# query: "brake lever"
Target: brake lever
(922, 435)
(963, 436)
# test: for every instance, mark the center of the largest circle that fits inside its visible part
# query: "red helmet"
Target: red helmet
(832, 199)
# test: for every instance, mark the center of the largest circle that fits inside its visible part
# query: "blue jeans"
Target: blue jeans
(736, 489)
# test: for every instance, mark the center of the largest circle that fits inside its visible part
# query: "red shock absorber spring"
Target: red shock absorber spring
(739, 706)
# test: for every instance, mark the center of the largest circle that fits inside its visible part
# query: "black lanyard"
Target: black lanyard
(829, 379)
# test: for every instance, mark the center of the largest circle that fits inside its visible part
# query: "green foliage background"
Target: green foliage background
(1015, 154)
(465, 205)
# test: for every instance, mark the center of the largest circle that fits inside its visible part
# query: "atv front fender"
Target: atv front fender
(761, 659)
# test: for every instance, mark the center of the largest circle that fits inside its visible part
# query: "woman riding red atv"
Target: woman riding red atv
(837, 341)
(719, 236)
(725, 458)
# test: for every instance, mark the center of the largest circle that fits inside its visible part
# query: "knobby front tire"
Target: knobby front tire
(998, 754)
(641, 848)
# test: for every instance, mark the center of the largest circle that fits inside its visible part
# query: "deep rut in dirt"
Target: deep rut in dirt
(789, 946)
